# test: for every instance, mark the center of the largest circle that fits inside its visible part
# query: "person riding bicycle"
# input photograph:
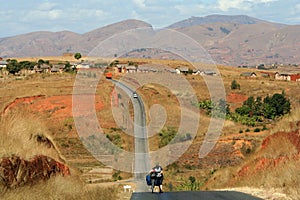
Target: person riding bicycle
(156, 174)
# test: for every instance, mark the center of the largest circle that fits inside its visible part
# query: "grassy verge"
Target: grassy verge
(57, 188)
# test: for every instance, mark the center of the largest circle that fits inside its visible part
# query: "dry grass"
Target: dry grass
(288, 123)
(61, 188)
(273, 167)
(18, 130)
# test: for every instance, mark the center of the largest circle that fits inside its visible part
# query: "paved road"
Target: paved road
(142, 158)
(192, 195)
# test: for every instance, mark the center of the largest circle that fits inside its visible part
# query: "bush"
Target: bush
(264, 128)
(166, 135)
(116, 176)
(235, 85)
(257, 130)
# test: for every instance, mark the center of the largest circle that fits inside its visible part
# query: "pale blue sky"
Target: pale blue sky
(18, 16)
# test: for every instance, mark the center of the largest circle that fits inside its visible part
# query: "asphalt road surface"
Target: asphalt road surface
(193, 195)
(142, 158)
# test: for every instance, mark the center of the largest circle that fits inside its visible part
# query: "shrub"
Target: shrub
(166, 135)
(257, 130)
(235, 85)
(264, 128)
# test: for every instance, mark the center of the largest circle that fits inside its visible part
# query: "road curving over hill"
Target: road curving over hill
(141, 152)
(194, 195)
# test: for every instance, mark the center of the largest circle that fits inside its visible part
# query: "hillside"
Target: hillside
(45, 43)
(194, 21)
(230, 40)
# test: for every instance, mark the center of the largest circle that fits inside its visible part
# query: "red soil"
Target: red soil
(262, 163)
(236, 98)
(15, 171)
(21, 100)
(56, 106)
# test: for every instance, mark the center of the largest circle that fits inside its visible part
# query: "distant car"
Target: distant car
(135, 95)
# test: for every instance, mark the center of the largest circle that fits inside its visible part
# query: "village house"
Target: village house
(83, 66)
(146, 68)
(182, 70)
(208, 73)
(196, 72)
(131, 69)
(44, 68)
(120, 68)
(170, 70)
(59, 68)
(267, 74)
(249, 74)
(3, 64)
(287, 76)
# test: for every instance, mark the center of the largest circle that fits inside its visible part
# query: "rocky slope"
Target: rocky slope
(15, 171)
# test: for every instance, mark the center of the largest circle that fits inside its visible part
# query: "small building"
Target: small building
(182, 70)
(44, 68)
(196, 72)
(131, 69)
(120, 68)
(59, 66)
(146, 69)
(170, 70)
(267, 74)
(287, 76)
(283, 76)
(83, 66)
(249, 74)
(3, 64)
(208, 73)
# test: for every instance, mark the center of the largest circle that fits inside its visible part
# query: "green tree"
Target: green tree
(13, 66)
(280, 104)
(67, 67)
(27, 65)
(41, 61)
(244, 110)
(77, 56)
(258, 108)
(235, 85)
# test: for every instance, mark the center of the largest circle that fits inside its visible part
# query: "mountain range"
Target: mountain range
(230, 40)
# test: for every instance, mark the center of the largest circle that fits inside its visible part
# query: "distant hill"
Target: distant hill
(194, 21)
(56, 43)
(230, 40)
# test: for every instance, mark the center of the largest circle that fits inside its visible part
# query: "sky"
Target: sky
(19, 16)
